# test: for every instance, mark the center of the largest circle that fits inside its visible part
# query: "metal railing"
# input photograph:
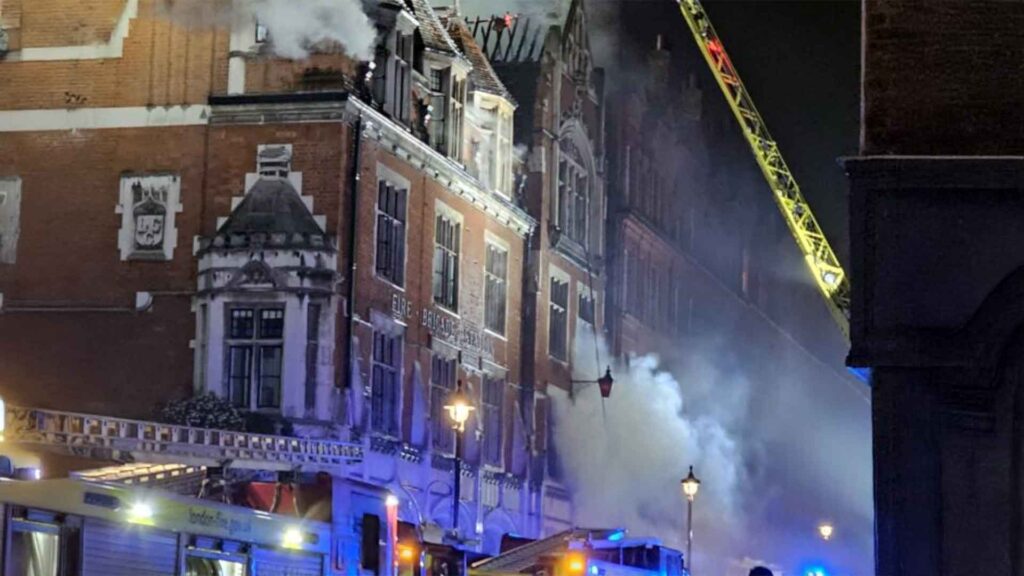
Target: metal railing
(125, 440)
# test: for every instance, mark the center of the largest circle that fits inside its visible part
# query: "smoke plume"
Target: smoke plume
(624, 457)
(294, 26)
(774, 454)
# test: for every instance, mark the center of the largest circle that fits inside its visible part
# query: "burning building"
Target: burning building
(318, 224)
(560, 135)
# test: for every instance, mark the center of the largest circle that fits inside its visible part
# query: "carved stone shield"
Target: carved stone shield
(149, 231)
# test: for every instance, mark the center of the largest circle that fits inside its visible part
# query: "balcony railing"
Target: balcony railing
(125, 440)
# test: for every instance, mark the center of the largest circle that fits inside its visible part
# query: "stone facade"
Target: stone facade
(561, 180)
(937, 278)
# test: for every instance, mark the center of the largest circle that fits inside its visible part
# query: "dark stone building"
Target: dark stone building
(937, 253)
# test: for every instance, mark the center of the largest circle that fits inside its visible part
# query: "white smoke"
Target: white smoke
(295, 27)
(483, 124)
(624, 457)
(778, 444)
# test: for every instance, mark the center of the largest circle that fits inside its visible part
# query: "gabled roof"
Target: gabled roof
(271, 206)
(433, 32)
(482, 74)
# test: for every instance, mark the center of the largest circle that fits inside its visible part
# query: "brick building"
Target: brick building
(549, 67)
(332, 244)
(937, 255)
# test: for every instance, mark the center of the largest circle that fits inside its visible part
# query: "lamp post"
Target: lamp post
(458, 408)
(690, 487)
(825, 530)
(604, 383)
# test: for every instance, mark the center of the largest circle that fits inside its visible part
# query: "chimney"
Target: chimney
(658, 64)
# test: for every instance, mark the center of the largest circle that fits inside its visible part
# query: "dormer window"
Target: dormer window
(458, 103)
(274, 160)
(439, 109)
(262, 34)
(399, 86)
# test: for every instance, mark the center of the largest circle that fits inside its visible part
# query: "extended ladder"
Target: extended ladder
(825, 267)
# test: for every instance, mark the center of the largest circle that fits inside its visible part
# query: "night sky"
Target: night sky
(800, 60)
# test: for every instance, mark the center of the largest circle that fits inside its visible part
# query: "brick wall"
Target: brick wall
(376, 295)
(164, 63)
(943, 78)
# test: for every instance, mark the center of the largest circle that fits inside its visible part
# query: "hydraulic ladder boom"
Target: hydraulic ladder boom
(825, 267)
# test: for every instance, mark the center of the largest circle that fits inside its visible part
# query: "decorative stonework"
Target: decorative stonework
(148, 204)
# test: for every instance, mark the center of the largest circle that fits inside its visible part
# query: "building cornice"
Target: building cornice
(444, 170)
(273, 108)
(344, 107)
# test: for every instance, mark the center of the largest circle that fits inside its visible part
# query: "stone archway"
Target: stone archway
(497, 524)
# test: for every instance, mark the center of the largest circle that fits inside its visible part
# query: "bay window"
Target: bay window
(255, 356)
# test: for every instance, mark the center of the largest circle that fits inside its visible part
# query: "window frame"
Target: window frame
(451, 304)
(502, 281)
(398, 102)
(493, 413)
(401, 262)
(439, 392)
(586, 293)
(556, 276)
(573, 199)
(254, 345)
(391, 428)
(457, 100)
(33, 526)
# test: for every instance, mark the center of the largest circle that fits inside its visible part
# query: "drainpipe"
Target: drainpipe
(353, 220)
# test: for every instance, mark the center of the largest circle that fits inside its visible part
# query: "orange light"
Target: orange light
(577, 563)
(406, 552)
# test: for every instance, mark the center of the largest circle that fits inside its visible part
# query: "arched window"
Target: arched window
(573, 193)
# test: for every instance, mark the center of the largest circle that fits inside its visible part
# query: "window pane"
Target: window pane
(442, 383)
(199, 566)
(271, 324)
(270, 377)
(385, 383)
(494, 390)
(557, 319)
(241, 323)
(239, 371)
(33, 553)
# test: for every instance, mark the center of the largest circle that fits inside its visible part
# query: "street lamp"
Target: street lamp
(604, 382)
(458, 408)
(825, 530)
(690, 487)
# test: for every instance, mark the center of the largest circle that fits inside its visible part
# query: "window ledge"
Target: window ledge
(390, 284)
(501, 337)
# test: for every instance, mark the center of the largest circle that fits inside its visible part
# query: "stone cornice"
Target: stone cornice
(283, 108)
(344, 107)
(441, 168)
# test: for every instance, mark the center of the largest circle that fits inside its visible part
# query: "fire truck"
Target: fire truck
(69, 526)
(584, 552)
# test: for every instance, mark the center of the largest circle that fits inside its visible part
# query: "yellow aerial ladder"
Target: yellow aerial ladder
(825, 267)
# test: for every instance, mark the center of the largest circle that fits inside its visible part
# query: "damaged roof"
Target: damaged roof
(434, 35)
(271, 206)
(482, 74)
